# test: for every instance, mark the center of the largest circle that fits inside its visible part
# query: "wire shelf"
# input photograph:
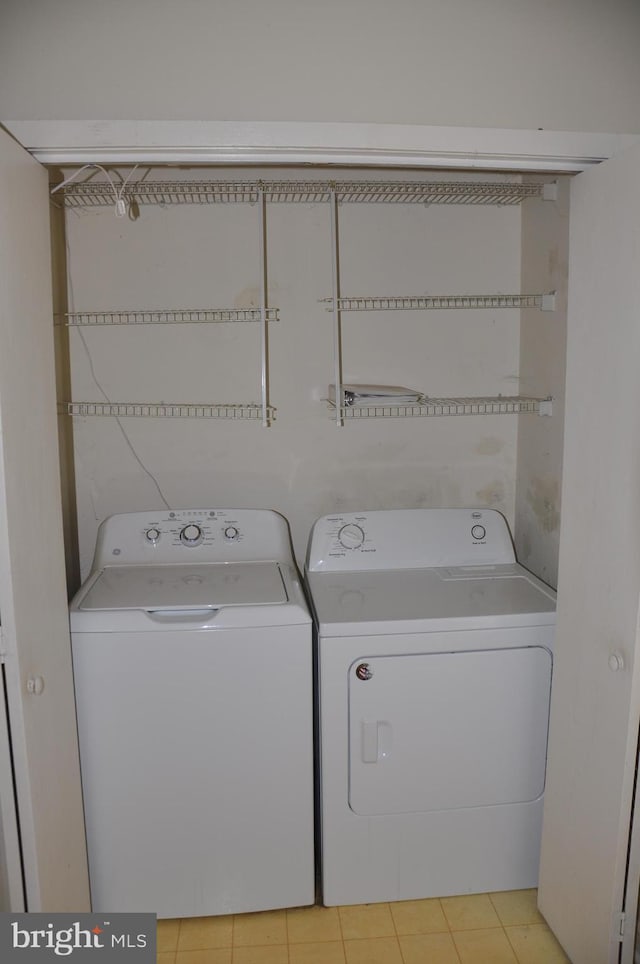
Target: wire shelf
(166, 410)
(101, 194)
(545, 302)
(95, 193)
(171, 316)
(432, 192)
(433, 407)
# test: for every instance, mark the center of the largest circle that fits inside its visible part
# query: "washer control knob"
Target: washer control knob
(231, 533)
(351, 536)
(191, 535)
(152, 535)
(478, 532)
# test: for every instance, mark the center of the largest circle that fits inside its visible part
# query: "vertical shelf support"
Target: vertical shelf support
(335, 292)
(263, 304)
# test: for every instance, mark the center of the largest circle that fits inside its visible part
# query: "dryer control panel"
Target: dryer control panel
(409, 539)
(192, 535)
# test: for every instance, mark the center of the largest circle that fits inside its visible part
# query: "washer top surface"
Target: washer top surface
(412, 570)
(175, 588)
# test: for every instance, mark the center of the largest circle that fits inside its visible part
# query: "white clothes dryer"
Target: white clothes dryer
(434, 652)
(192, 659)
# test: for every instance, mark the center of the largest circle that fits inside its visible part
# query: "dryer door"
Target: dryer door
(443, 731)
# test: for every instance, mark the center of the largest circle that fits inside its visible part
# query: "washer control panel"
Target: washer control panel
(409, 539)
(192, 535)
(191, 528)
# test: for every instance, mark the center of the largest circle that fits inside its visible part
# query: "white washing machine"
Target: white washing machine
(434, 656)
(192, 657)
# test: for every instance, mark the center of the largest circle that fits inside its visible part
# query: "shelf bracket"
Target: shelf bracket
(263, 306)
(548, 302)
(335, 293)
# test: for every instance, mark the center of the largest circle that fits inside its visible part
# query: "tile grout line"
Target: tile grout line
(449, 930)
(180, 923)
(233, 937)
(395, 928)
(503, 928)
(286, 927)
(515, 953)
(344, 946)
(446, 919)
(452, 930)
(463, 930)
(497, 912)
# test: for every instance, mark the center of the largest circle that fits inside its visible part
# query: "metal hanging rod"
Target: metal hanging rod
(157, 316)
(100, 193)
(166, 410)
(485, 405)
(545, 302)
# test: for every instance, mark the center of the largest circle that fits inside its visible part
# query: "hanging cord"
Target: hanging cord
(103, 392)
(120, 425)
(118, 191)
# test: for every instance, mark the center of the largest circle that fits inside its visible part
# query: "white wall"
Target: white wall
(304, 466)
(554, 64)
(543, 343)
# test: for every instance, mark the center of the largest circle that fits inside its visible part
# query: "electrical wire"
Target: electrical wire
(121, 206)
(92, 370)
(120, 425)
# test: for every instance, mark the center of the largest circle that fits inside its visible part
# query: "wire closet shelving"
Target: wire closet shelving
(99, 193)
(167, 316)
(433, 407)
(94, 193)
(249, 410)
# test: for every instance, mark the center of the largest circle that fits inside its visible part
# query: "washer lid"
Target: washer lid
(185, 587)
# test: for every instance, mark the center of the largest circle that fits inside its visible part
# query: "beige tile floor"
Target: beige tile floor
(503, 928)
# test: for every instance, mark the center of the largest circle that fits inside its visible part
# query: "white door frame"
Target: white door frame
(266, 142)
(33, 600)
(11, 882)
(595, 706)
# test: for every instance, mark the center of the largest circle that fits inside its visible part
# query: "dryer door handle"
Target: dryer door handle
(376, 740)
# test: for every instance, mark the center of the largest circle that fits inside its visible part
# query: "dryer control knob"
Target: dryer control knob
(231, 533)
(191, 535)
(351, 536)
(152, 535)
(478, 532)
